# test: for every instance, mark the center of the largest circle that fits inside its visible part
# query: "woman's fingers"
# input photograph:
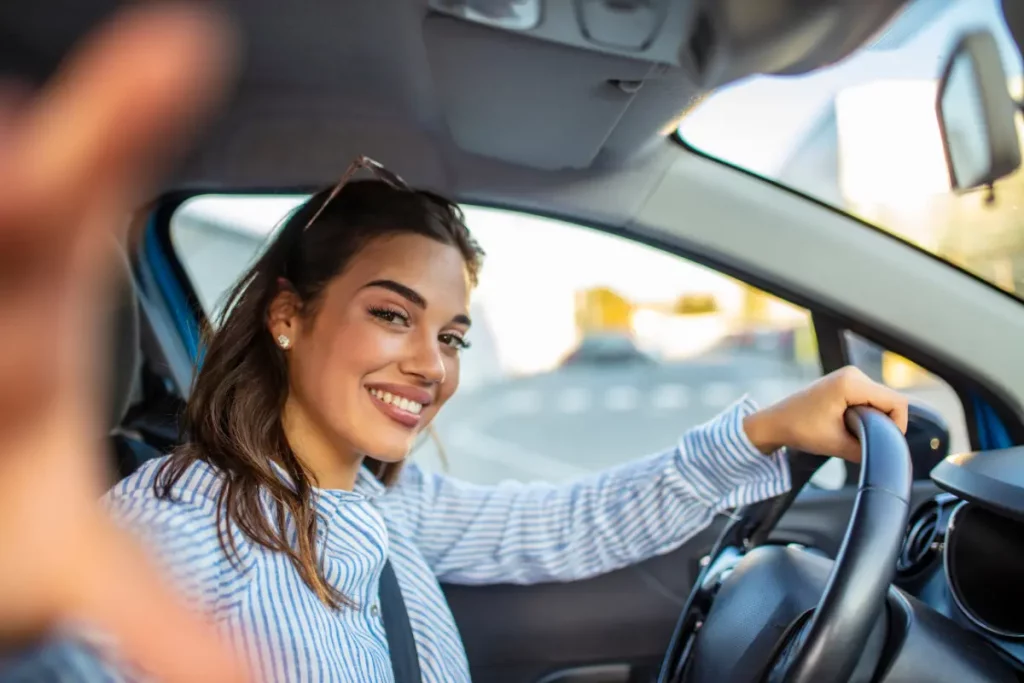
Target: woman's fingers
(73, 160)
(123, 594)
(864, 392)
(127, 98)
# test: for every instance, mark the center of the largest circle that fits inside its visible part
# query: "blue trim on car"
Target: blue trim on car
(992, 433)
(170, 289)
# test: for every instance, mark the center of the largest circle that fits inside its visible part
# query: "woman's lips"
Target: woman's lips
(402, 410)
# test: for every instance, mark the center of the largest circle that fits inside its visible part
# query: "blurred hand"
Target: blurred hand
(813, 420)
(74, 161)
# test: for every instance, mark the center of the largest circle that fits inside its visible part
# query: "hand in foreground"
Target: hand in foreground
(813, 420)
(73, 161)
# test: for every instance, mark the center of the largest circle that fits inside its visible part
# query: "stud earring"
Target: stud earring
(283, 341)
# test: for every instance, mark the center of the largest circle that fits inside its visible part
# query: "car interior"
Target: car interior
(568, 110)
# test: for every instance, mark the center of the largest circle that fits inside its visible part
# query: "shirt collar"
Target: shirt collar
(368, 484)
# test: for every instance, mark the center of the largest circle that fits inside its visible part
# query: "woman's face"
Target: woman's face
(380, 356)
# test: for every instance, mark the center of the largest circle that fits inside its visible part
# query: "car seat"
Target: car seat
(128, 451)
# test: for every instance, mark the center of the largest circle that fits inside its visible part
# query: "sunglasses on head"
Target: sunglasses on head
(361, 163)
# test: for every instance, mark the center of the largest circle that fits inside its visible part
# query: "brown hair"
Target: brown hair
(233, 416)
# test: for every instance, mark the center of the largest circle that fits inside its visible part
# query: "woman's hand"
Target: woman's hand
(813, 420)
(74, 161)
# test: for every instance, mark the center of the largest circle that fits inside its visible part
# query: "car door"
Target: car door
(535, 405)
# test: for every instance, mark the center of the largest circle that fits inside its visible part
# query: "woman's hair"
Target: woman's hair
(233, 416)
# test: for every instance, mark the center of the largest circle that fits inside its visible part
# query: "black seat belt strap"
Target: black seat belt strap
(404, 660)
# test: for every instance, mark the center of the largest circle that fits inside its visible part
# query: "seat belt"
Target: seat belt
(404, 661)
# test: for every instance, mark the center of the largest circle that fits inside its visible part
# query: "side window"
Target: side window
(216, 237)
(588, 349)
(592, 350)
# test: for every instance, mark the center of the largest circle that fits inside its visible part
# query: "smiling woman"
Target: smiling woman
(309, 354)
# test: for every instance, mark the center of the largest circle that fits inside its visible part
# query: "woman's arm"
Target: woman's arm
(532, 533)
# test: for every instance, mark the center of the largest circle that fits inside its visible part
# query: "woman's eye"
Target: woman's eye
(390, 316)
(454, 341)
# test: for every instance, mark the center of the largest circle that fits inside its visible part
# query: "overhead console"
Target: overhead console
(611, 73)
(653, 30)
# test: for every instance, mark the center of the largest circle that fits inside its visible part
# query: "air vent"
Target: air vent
(923, 541)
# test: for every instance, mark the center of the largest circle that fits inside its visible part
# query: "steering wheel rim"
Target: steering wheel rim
(826, 644)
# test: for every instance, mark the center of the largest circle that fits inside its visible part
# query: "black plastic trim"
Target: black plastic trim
(831, 342)
(992, 479)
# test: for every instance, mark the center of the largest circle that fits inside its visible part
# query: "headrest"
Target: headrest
(124, 342)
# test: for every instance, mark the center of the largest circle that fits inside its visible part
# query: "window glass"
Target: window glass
(578, 362)
(863, 136)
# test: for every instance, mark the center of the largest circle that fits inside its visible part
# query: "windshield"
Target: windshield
(863, 137)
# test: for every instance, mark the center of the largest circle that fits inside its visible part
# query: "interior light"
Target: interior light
(513, 15)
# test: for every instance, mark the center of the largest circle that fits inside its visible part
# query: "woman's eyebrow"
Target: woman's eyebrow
(403, 291)
(413, 297)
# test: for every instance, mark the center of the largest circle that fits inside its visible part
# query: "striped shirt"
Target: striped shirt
(436, 529)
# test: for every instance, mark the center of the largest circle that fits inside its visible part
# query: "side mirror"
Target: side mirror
(977, 116)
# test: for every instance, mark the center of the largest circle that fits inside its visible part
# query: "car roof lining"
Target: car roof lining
(443, 100)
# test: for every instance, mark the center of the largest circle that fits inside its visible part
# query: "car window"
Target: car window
(863, 136)
(577, 364)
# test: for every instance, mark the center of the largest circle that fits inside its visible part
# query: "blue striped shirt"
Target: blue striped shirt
(437, 529)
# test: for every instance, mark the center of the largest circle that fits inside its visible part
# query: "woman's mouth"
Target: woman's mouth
(402, 410)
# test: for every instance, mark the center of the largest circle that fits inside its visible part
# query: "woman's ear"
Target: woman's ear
(283, 315)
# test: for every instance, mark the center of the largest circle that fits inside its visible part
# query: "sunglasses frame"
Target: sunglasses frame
(361, 162)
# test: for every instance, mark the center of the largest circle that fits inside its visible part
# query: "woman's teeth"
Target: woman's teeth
(397, 401)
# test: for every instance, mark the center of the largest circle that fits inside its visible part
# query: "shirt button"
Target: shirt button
(374, 610)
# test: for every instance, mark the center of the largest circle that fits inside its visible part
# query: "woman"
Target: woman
(337, 349)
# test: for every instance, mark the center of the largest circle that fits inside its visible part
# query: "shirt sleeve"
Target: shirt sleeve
(539, 532)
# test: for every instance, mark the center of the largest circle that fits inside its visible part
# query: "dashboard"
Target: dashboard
(963, 553)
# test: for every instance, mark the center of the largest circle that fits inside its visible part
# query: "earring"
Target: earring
(283, 341)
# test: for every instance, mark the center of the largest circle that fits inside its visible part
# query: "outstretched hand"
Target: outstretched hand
(814, 420)
(74, 161)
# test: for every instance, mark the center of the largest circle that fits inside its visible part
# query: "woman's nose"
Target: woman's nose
(426, 362)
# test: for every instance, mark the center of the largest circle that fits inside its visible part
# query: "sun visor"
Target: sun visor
(527, 101)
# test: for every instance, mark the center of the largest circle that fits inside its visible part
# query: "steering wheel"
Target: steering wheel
(762, 612)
